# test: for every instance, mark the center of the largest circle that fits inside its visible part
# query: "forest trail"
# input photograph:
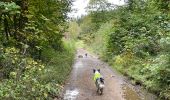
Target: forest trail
(80, 85)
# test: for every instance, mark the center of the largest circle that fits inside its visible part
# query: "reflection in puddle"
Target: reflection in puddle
(71, 94)
(130, 94)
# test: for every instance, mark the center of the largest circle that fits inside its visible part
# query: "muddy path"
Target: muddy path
(80, 86)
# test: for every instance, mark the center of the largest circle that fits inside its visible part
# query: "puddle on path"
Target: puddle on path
(71, 94)
(78, 64)
(131, 94)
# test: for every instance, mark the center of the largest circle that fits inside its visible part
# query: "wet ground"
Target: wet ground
(80, 86)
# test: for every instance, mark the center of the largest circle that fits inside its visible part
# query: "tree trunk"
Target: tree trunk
(15, 27)
(6, 28)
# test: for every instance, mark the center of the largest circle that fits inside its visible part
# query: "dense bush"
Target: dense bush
(26, 78)
(34, 60)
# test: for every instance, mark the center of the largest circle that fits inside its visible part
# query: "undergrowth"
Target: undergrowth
(26, 78)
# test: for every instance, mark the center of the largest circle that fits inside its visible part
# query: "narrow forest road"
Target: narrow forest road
(80, 86)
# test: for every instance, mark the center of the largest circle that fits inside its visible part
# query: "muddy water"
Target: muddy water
(136, 93)
(81, 86)
(130, 94)
(72, 92)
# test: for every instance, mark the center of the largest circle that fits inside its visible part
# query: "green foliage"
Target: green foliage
(37, 25)
(99, 44)
(28, 79)
(34, 60)
(99, 5)
(73, 30)
(23, 76)
(100, 12)
(10, 8)
(50, 17)
(58, 63)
